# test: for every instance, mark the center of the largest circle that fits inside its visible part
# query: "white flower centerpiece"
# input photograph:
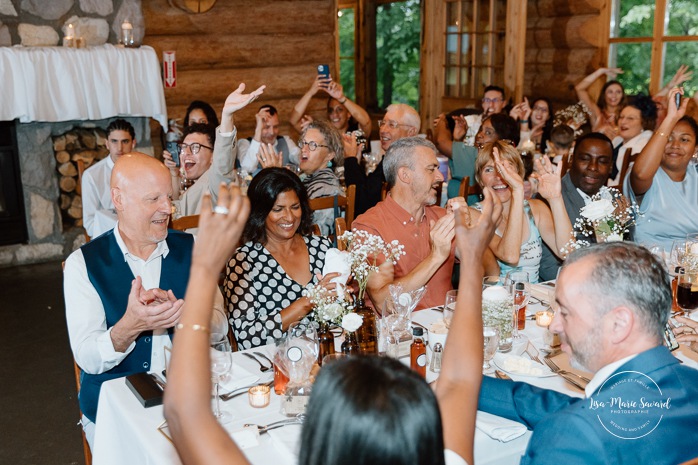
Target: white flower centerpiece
(351, 322)
(608, 217)
(329, 306)
(497, 311)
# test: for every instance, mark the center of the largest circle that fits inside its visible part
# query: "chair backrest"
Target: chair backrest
(466, 189)
(186, 222)
(81, 169)
(625, 166)
(345, 202)
(340, 226)
(384, 190)
(316, 230)
(565, 164)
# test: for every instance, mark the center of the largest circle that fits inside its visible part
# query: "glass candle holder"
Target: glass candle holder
(544, 318)
(259, 396)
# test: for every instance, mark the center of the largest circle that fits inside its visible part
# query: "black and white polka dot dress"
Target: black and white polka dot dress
(257, 288)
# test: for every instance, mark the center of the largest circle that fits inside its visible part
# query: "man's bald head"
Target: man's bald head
(142, 194)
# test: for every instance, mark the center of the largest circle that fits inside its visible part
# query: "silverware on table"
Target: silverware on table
(501, 375)
(162, 384)
(554, 367)
(263, 368)
(298, 420)
(566, 375)
(261, 354)
(241, 390)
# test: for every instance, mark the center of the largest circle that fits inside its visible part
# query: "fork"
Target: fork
(239, 391)
(263, 368)
(261, 354)
(298, 420)
(553, 366)
(532, 352)
(555, 369)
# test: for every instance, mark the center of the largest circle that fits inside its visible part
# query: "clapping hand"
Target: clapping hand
(351, 148)
(548, 176)
(473, 238)
(521, 111)
(151, 309)
(268, 157)
(441, 235)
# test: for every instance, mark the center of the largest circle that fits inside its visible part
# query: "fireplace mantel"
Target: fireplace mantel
(52, 84)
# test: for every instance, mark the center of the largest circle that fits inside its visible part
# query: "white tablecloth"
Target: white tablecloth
(62, 84)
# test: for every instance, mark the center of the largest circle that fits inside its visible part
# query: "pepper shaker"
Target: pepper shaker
(436, 355)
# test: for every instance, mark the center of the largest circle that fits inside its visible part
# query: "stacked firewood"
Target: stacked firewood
(75, 151)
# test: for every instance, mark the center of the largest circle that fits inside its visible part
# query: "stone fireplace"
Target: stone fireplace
(58, 97)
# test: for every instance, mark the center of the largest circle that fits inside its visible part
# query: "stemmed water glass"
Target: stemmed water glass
(221, 364)
(518, 285)
(490, 343)
(450, 307)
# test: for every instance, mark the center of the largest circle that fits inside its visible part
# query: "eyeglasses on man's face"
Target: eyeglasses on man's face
(312, 145)
(391, 124)
(492, 100)
(195, 147)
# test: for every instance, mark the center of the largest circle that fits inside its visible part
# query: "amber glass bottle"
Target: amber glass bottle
(418, 353)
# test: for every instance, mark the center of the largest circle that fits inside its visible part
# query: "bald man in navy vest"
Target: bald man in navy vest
(124, 290)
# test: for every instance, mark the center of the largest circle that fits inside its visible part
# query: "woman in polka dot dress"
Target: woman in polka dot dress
(266, 276)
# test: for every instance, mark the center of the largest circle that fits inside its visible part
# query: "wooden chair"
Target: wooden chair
(565, 162)
(340, 227)
(344, 202)
(78, 188)
(466, 189)
(316, 230)
(185, 222)
(384, 190)
(85, 445)
(625, 166)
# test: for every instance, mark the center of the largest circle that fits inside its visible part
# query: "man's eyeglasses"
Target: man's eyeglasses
(195, 147)
(391, 124)
(541, 109)
(312, 145)
(492, 100)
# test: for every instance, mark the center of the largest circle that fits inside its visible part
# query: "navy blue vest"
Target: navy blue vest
(111, 277)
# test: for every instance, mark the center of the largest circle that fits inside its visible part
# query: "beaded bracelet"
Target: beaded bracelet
(523, 121)
(201, 328)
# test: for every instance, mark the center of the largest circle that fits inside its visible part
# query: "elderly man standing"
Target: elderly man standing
(408, 214)
(589, 171)
(123, 290)
(400, 121)
(614, 300)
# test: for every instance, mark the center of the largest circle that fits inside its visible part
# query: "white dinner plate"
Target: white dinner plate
(521, 366)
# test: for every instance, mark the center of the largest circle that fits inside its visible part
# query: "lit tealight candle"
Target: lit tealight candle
(544, 318)
(259, 396)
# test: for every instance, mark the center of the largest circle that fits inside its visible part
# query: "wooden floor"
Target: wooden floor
(38, 404)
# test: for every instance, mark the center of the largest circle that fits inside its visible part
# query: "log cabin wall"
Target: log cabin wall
(274, 42)
(565, 41)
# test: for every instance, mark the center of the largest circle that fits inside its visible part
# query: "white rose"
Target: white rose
(352, 321)
(614, 238)
(597, 210)
(333, 310)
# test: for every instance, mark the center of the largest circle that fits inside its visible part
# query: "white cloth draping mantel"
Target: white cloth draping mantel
(52, 84)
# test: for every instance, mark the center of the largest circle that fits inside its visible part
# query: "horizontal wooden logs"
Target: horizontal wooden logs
(234, 17)
(245, 51)
(553, 8)
(580, 31)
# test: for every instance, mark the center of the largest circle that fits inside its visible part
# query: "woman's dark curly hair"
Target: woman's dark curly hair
(263, 191)
(506, 127)
(206, 108)
(648, 110)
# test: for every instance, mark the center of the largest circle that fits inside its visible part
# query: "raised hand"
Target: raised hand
(237, 99)
(320, 83)
(548, 176)
(682, 75)
(611, 73)
(351, 148)
(461, 127)
(219, 232)
(169, 162)
(335, 90)
(268, 157)
(305, 121)
(673, 113)
(473, 238)
(507, 172)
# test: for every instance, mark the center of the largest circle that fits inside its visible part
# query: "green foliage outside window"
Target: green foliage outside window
(347, 52)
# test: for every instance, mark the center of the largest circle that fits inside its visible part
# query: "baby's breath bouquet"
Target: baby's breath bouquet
(364, 251)
(329, 306)
(608, 217)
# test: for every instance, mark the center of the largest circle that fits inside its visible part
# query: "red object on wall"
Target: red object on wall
(169, 66)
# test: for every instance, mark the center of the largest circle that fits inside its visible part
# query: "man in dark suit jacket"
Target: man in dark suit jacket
(589, 171)
(614, 301)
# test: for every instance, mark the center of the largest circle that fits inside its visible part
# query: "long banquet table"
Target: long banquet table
(127, 433)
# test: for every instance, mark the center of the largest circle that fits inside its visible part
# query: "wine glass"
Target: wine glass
(677, 255)
(221, 364)
(490, 343)
(450, 306)
(518, 285)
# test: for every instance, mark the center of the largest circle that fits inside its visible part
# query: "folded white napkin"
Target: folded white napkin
(238, 378)
(499, 428)
(287, 440)
(337, 261)
(543, 291)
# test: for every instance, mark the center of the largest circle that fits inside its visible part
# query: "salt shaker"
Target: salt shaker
(436, 355)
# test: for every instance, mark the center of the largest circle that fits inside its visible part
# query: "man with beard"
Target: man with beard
(408, 215)
(589, 171)
(124, 289)
(613, 301)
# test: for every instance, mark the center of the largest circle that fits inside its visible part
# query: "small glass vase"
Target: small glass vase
(350, 346)
(604, 236)
(325, 342)
(367, 334)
